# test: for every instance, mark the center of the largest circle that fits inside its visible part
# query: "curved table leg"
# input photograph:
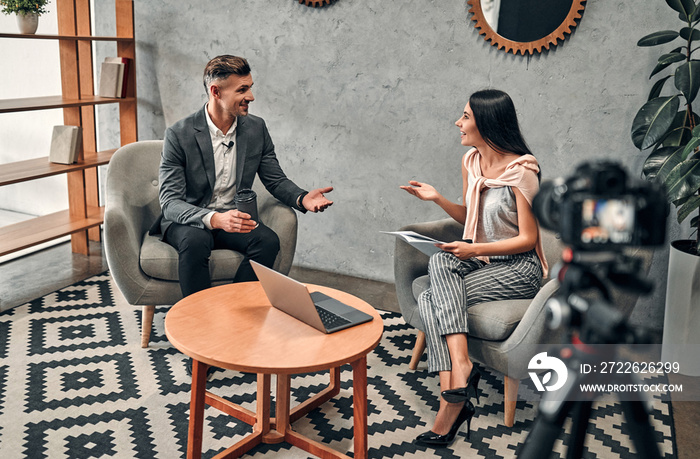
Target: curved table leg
(282, 401)
(198, 403)
(262, 422)
(285, 418)
(319, 399)
(279, 429)
(359, 401)
(359, 406)
(194, 432)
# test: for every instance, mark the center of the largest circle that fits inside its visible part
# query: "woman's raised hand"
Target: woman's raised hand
(421, 190)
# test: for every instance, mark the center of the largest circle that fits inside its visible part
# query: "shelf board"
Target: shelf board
(31, 169)
(65, 37)
(46, 228)
(49, 102)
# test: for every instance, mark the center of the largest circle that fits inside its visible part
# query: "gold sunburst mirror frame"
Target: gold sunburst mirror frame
(529, 47)
(316, 3)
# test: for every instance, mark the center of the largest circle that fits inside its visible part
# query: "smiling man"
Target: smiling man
(206, 158)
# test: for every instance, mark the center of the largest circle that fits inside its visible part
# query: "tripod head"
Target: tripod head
(595, 320)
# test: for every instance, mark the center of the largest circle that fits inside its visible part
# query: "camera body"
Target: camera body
(597, 209)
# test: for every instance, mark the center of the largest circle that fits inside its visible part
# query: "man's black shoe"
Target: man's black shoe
(210, 369)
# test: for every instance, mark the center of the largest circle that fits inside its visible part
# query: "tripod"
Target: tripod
(553, 411)
(598, 323)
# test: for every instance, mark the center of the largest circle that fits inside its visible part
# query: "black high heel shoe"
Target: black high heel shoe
(434, 440)
(463, 393)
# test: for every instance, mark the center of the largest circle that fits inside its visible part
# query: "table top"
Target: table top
(234, 326)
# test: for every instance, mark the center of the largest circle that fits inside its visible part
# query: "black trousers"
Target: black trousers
(194, 246)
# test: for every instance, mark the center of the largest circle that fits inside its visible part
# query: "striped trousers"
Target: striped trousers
(456, 284)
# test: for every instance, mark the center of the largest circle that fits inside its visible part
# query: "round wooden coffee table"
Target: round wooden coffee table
(235, 327)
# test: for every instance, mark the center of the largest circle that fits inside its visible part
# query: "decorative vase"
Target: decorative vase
(27, 22)
(681, 340)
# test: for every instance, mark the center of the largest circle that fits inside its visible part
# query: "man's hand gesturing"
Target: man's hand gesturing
(315, 201)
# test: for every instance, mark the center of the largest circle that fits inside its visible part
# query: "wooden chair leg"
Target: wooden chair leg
(418, 350)
(510, 397)
(147, 313)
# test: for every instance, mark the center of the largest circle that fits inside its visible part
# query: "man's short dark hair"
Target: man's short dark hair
(221, 67)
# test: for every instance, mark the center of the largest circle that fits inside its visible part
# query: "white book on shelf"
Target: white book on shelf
(65, 144)
(111, 79)
(123, 79)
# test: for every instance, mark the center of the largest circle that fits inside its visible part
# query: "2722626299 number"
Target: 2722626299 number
(638, 367)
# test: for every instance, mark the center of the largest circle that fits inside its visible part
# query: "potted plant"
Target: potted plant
(27, 12)
(668, 126)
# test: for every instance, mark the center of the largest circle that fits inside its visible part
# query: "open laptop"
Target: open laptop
(315, 309)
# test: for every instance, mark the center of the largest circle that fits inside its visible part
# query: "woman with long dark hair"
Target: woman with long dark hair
(499, 258)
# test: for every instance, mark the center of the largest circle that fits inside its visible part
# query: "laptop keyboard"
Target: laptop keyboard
(329, 319)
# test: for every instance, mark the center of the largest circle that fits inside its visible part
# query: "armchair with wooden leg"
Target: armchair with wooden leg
(143, 267)
(501, 332)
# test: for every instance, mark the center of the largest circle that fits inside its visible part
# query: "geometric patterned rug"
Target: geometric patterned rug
(75, 383)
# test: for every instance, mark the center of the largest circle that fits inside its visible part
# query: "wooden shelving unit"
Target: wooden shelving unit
(63, 37)
(78, 100)
(32, 169)
(46, 228)
(50, 102)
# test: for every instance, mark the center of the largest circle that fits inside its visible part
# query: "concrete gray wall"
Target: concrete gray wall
(363, 95)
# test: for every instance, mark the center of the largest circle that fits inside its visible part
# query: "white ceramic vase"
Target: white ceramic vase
(681, 341)
(28, 22)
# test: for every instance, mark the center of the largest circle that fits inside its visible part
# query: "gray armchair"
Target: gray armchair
(143, 267)
(502, 333)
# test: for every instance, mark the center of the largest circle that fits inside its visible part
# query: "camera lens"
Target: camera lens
(546, 204)
(610, 181)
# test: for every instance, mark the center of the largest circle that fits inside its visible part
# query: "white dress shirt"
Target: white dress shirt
(225, 167)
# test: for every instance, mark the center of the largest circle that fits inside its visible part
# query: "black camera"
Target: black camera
(597, 209)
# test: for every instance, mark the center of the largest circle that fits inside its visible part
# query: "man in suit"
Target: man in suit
(207, 157)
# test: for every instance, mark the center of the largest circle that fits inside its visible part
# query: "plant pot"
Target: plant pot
(28, 22)
(682, 317)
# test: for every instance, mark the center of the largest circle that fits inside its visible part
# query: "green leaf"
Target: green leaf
(671, 58)
(679, 133)
(688, 208)
(686, 8)
(684, 180)
(653, 120)
(659, 68)
(690, 147)
(661, 162)
(687, 79)
(680, 202)
(658, 38)
(658, 86)
(696, 15)
(696, 131)
(689, 33)
(666, 60)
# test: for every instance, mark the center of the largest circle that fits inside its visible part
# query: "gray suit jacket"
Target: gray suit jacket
(187, 172)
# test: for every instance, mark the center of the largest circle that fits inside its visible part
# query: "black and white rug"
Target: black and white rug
(75, 383)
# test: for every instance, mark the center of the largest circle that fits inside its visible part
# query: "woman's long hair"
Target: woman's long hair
(497, 122)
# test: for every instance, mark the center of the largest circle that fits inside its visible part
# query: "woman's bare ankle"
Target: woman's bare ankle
(461, 373)
(447, 414)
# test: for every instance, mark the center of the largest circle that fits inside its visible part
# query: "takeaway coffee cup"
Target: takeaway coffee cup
(246, 201)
